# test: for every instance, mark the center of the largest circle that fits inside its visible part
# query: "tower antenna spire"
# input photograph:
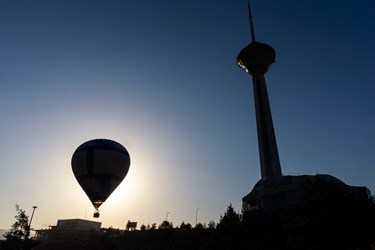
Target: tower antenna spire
(251, 22)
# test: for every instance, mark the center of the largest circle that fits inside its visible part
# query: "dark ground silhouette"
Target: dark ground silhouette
(323, 218)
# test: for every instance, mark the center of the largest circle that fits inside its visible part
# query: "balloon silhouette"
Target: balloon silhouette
(99, 166)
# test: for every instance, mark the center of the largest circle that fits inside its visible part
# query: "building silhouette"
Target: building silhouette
(274, 190)
(68, 230)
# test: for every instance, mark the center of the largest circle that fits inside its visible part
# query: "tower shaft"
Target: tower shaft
(256, 59)
(268, 153)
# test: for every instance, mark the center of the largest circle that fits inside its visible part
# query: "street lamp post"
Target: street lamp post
(32, 215)
(196, 216)
(167, 216)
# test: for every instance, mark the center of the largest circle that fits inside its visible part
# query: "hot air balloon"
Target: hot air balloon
(99, 166)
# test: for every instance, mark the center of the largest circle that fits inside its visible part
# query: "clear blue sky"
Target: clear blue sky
(160, 77)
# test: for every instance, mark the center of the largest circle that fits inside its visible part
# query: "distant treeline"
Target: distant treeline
(322, 219)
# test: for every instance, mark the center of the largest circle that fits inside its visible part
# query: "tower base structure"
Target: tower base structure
(274, 193)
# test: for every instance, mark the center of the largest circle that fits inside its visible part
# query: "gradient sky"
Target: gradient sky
(160, 78)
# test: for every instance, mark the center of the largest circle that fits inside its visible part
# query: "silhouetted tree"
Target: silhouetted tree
(165, 225)
(18, 236)
(230, 220)
(186, 226)
(143, 227)
(211, 224)
(229, 230)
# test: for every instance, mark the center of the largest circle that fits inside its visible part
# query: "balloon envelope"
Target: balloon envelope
(99, 166)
